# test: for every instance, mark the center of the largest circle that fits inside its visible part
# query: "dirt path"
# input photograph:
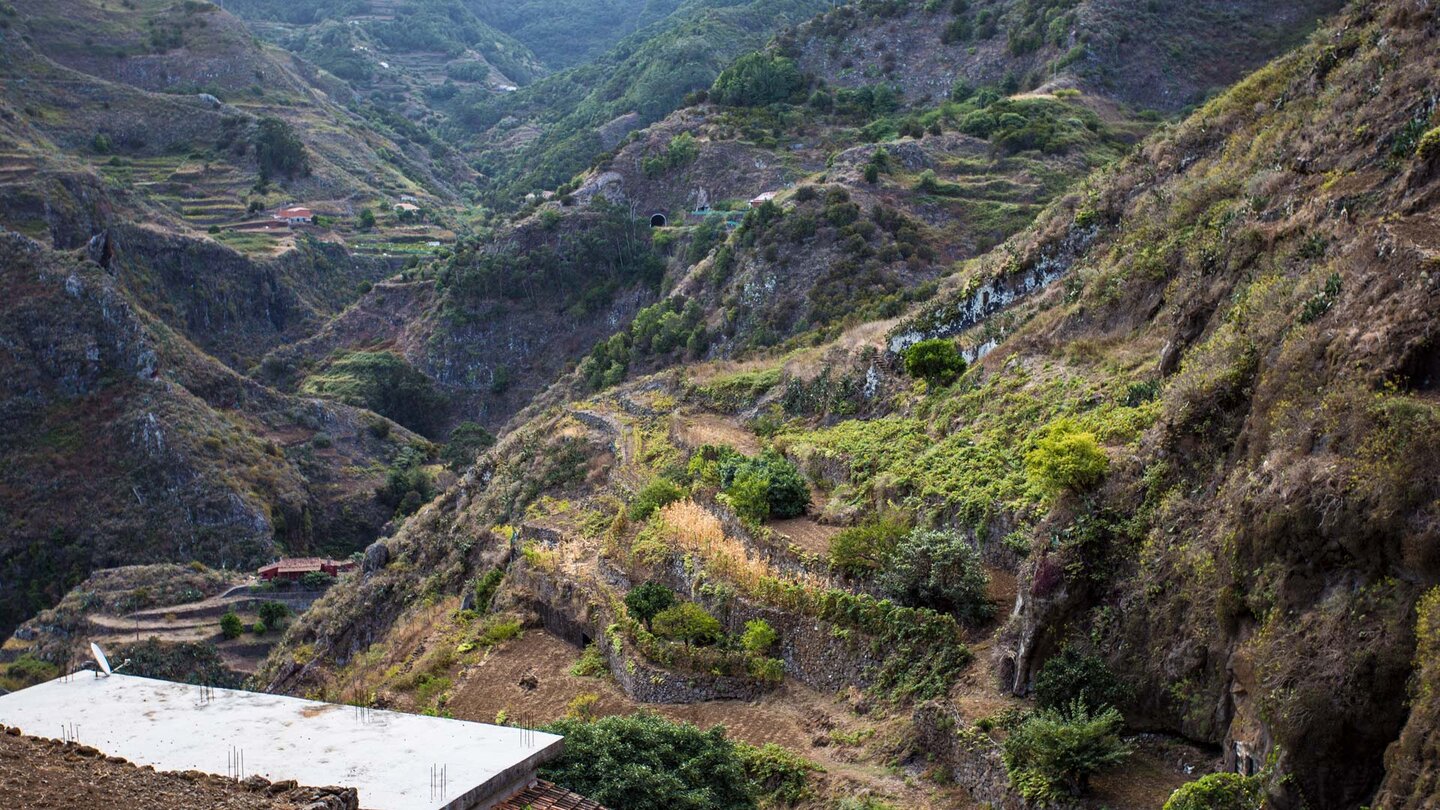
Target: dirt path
(807, 534)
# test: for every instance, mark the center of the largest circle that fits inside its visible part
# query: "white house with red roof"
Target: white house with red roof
(295, 215)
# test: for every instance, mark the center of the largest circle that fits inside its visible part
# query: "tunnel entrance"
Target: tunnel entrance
(657, 220)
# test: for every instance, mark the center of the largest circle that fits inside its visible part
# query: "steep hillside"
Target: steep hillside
(172, 455)
(177, 146)
(1192, 454)
(566, 33)
(402, 57)
(542, 135)
(1149, 54)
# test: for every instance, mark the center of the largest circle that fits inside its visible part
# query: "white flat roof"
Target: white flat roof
(387, 756)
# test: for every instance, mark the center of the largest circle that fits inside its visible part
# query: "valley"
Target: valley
(987, 403)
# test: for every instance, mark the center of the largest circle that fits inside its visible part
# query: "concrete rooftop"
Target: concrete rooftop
(386, 756)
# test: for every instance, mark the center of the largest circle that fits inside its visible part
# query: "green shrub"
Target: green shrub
(939, 570)
(936, 361)
(647, 599)
(27, 670)
(259, 628)
(591, 663)
(689, 623)
(781, 778)
(657, 493)
(366, 219)
(1065, 458)
(645, 762)
(862, 550)
(317, 579)
(1053, 754)
(766, 486)
(273, 614)
(1218, 791)
(1073, 676)
(758, 637)
(486, 587)
(230, 625)
(1429, 145)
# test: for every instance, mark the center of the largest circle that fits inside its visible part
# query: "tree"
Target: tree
(647, 599)
(366, 219)
(862, 550)
(1065, 457)
(1074, 676)
(758, 637)
(687, 622)
(467, 441)
(757, 79)
(273, 614)
(937, 361)
(1218, 791)
(230, 625)
(762, 487)
(1053, 754)
(644, 762)
(278, 150)
(938, 569)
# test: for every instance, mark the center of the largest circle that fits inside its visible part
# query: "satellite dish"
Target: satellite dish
(100, 658)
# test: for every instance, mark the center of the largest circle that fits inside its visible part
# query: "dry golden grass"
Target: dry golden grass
(691, 528)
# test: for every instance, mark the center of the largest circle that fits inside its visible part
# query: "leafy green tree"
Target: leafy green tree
(644, 762)
(1053, 753)
(647, 599)
(278, 150)
(652, 496)
(758, 637)
(1074, 676)
(862, 550)
(748, 495)
(273, 614)
(230, 625)
(785, 493)
(1218, 791)
(1065, 457)
(940, 570)
(689, 623)
(782, 779)
(366, 219)
(935, 361)
(757, 79)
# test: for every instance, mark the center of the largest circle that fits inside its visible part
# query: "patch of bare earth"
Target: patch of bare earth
(709, 428)
(819, 727)
(38, 774)
(806, 533)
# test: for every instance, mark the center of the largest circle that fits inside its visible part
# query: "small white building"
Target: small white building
(295, 215)
(394, 761)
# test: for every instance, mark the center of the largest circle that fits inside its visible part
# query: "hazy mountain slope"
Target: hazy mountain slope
(542, 135)
(565, 33)
(1239, 314)
(131, 149)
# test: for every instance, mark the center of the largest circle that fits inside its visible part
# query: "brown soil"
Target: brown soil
(822, 728)
(709, 428)
(807, 534)
(38, 774)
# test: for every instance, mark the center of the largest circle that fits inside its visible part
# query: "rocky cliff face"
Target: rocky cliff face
(125, 443)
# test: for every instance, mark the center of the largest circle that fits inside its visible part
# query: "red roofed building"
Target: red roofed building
(295, 215)
(293, 569)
